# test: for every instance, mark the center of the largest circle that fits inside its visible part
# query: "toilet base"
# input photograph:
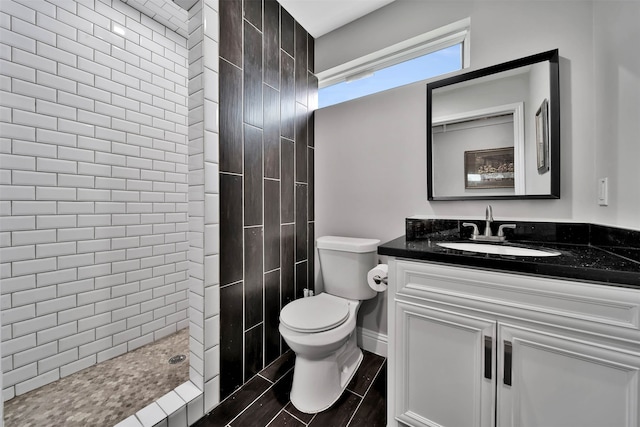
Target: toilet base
(319, 383)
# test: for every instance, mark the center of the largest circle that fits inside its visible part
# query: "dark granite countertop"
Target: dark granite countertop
(582, 262)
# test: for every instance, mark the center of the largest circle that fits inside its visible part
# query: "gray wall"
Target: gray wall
(370, 152)
(617, 108)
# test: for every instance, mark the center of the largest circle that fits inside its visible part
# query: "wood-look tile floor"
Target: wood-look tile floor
(104, 394)
(264, 400)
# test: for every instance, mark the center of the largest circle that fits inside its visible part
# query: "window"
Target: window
(428, 55)
(421, 68)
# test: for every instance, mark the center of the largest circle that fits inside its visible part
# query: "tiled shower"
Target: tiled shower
(103, 243)
(118, 201)
(94, 186)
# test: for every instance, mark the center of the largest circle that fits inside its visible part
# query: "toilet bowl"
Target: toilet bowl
(321, 329)
(326, 360)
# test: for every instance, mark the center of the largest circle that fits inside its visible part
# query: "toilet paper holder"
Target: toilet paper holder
(377, 279)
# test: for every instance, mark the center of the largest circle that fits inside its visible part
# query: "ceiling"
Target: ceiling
(185, 4)
(319, 17)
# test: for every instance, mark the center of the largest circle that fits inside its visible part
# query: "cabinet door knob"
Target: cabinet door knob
(508, 352)
(488, 360)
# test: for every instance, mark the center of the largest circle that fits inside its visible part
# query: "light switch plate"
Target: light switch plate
(603, 190)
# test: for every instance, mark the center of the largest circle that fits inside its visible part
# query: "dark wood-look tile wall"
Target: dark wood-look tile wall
(267, 95)
(272, 44)
(231, 338)
(252, 73)
(301, 64)
(287, 97)
(230, 47)
(253, 175)
(310, 187)
(311, 53)
(271, 225)
(253, 350)
(253, 277)
(230, 117)
(271, 130)
(287, 169)
(311, 261)
(312, 125)
(301, 222)
(301, 143)
(312, 105)
(231, 236)
(287, 24)
(287, 264)
(271, 316)
(253, 12)
(301, 278)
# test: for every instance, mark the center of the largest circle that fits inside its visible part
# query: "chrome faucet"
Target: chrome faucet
(488, 234)
(488, 214)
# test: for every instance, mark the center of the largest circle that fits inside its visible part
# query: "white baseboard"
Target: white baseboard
(372, 341)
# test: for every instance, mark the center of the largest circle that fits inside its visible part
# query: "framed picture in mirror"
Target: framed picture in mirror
(542, 137)
(492, 168)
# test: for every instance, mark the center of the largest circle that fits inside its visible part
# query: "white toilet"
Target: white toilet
(321, 329)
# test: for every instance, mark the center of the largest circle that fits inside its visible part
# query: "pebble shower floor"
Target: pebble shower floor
(106, 393)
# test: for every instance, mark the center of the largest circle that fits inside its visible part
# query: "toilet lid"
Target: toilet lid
(314, 314)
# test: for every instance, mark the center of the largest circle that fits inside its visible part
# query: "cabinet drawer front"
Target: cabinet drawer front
(608, 305)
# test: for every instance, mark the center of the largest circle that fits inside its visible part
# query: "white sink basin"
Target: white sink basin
(498, 249)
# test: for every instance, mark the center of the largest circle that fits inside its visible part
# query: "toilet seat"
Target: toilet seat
(315, 314)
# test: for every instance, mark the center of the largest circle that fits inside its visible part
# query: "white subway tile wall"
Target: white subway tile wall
(94, 184)
(204, 222)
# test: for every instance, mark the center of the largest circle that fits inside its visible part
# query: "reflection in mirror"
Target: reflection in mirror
(494, 133)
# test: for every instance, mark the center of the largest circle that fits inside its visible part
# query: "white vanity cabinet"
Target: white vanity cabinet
(472, 347)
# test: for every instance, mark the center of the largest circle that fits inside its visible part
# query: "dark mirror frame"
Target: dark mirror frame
(554, 122)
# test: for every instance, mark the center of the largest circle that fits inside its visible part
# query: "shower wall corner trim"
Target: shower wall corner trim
(204, 205)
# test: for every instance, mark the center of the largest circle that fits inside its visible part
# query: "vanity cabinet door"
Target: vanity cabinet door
(445, 370)
(550, 380)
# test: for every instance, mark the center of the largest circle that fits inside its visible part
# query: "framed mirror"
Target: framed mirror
(494, 133)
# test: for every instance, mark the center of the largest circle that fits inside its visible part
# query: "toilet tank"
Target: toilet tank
(344, 263)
